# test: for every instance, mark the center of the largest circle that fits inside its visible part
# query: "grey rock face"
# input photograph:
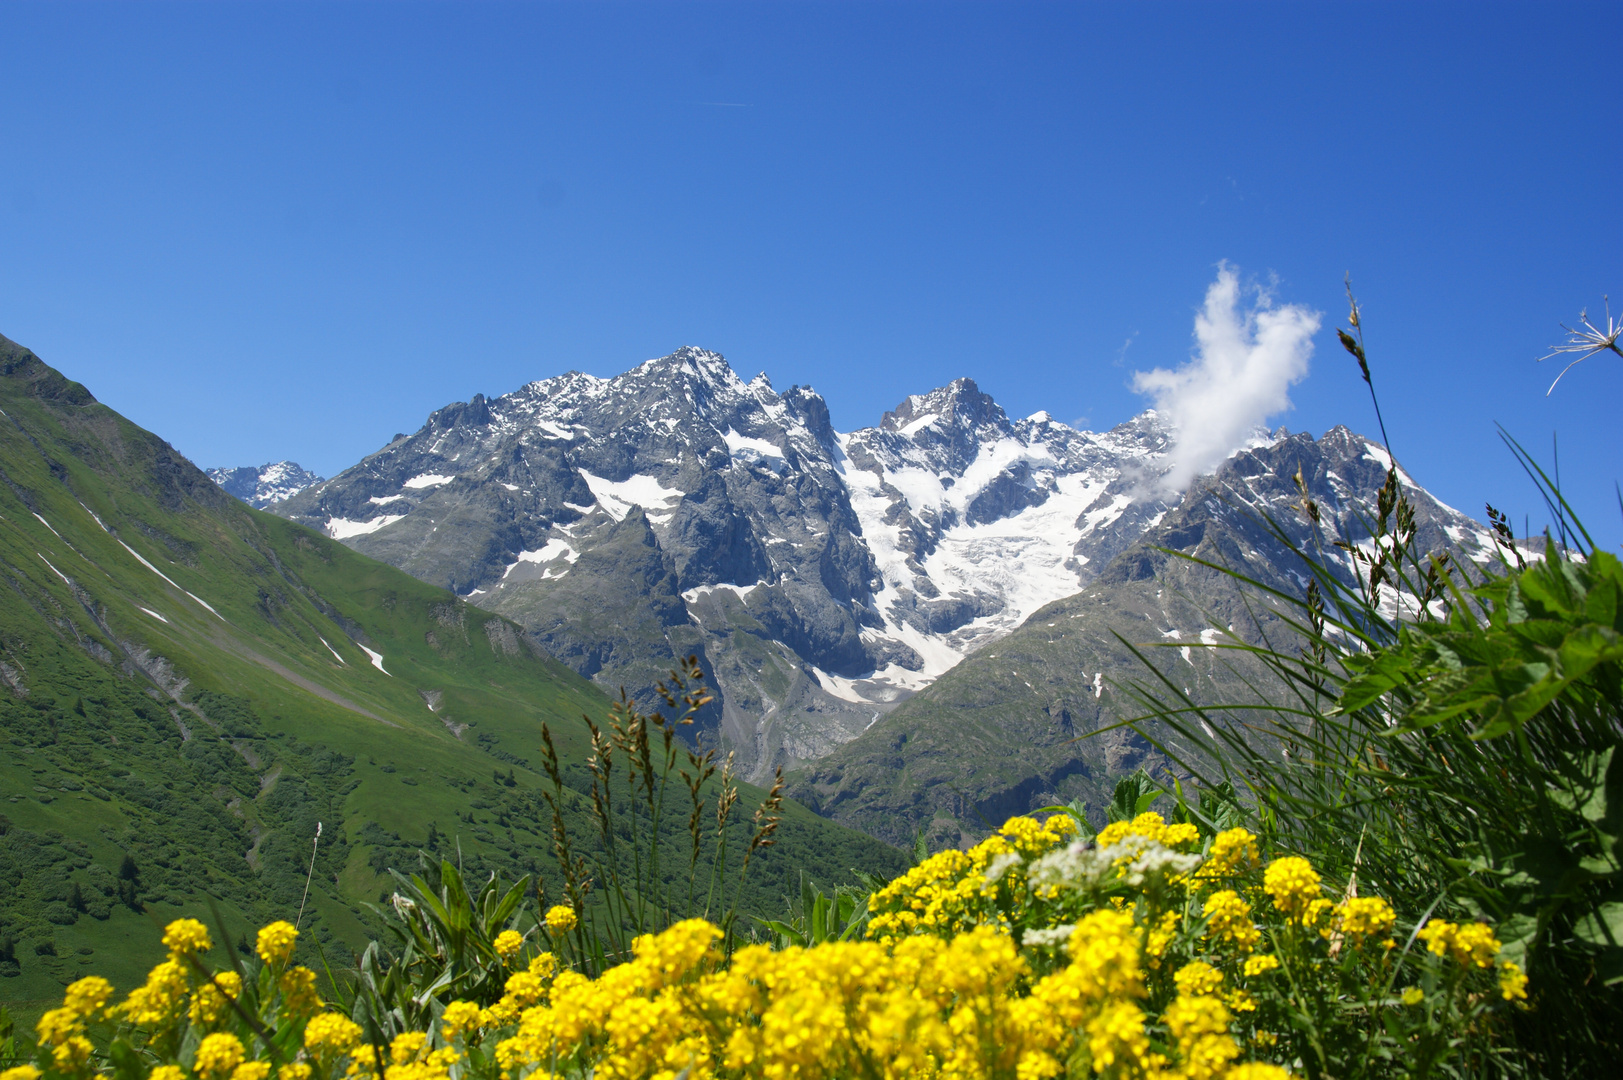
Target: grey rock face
(823, 578)
(678, 509)
(1027, 721)
(261, 485)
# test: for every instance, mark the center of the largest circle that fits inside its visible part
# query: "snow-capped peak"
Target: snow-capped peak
(261, 485)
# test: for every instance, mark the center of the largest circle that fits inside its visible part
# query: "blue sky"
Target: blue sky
(293, 230)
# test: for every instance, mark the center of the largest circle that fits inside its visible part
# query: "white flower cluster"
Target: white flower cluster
(1134, 860)
(1049, 935)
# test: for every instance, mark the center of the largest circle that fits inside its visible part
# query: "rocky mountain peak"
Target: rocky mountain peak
(821, 577)
(261, 485)
(959, 405)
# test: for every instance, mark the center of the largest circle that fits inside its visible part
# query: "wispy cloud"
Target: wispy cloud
(1245, 361)
(1121, 353)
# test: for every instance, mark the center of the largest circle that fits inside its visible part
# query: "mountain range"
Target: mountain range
(822, 576)
(826, 578)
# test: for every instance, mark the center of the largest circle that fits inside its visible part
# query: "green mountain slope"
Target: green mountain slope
(188, 686)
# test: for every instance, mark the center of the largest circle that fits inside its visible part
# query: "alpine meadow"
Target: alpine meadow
(983, 683)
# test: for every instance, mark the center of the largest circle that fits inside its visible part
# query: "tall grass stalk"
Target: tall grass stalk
(1444, 735)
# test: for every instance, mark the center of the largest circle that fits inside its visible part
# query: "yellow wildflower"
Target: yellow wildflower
(561, 918)
(298, 1070)
(1364, 917)
(21, 1072)
(1260, 965)
(460, 1018)
(299, 997)
(543, 966)
(1181, 834)
(331, 1035)
(251, 1070)
(508, 942)
(1228, 917)
(1200, 1027)
(56, 1026)
(1294, 885)
(167, 1072)
(1258, 1070)
(186, 936)
(1472, 945)
(218, 1054)
(1240, 1001)
(72, 1053)
(152, 1005)
(88, 995)
(406, 1046)
(1512, 982)
(524, 989)
(1116, 1037)
(1475, 945)
(669, 956)
(1160, 937)
(1198, 977)
(1414, 996)
(275, 942)
(1233, 851)
(210, 1002)
(1438, 934)
(1104, 956)
(1148, 826)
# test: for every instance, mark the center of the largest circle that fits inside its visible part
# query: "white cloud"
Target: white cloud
(1244, 363)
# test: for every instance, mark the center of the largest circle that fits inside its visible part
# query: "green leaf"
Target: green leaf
(1603, 926)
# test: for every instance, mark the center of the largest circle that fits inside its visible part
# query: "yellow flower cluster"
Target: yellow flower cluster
(1512, 982)
(1234, 851)
(1147, 827)
(218, 1055)
(1228, 918)
(183, 937)
(1031, 956)
(153, 1004)
(950, 891)
(210, 1002)
(1471, 944)
(1295, 888)
(1364, 917)
(275, 943)
(919, 1006)
(63, 1029)
(331, 1036)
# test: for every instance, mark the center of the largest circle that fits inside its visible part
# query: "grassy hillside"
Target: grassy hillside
(188, 686)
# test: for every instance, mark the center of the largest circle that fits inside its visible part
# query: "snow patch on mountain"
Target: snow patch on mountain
(345, 529)
(617, 497)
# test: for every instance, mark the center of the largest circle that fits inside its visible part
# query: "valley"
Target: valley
(192, 687)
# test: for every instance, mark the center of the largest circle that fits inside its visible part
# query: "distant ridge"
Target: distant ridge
(261, 485)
